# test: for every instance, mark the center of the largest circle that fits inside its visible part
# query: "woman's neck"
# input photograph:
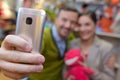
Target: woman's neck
(87, 43)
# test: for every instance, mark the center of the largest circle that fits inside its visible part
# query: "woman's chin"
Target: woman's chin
(84, 38)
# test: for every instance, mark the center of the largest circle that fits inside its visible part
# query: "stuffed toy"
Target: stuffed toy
(78, 71)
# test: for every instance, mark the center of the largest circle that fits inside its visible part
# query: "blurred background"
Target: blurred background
(108, 15)
(106, 10)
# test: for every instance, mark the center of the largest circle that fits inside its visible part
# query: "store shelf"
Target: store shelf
(90, 2)
(108, 34)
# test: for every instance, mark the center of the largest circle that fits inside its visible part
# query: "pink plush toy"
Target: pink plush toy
(78, 71)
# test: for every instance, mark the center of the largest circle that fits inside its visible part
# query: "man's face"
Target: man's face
(65, 22)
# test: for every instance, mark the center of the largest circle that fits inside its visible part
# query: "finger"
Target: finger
(14, 76)
(17, 42)
(20, 68)
(21, 57)
(26, 38)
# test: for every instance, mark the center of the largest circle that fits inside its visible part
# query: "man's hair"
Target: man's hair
(84, 5)
(66, 8)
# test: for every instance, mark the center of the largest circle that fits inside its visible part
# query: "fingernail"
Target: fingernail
(27, 47)
(39, 68)
(41, 60)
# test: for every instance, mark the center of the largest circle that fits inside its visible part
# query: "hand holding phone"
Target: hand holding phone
(15, 61)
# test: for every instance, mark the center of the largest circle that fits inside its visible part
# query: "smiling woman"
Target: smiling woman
(87, 25)
(97, 53)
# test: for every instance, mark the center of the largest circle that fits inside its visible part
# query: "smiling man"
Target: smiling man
(55, 43)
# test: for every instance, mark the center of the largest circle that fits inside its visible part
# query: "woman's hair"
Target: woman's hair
(91, 14)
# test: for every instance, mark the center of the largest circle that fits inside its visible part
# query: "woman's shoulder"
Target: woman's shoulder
(106, 48)
(74, 43)
(105, 44)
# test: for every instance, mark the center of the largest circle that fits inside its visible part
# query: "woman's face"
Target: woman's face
(86, 27)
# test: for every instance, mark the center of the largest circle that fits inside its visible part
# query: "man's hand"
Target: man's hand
(16, 58)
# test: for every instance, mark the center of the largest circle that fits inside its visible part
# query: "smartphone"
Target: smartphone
(30, 23)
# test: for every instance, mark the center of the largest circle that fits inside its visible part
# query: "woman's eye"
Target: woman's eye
(87, 24)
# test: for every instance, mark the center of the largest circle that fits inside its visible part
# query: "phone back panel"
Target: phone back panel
(30, 23)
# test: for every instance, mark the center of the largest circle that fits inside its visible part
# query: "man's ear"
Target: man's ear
(56, 19)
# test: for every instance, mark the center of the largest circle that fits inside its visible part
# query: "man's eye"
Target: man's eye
(87, 24)
(64, 19)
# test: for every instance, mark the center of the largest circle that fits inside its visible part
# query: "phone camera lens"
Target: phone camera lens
(29, 20)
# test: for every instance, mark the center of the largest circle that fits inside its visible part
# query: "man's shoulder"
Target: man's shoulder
(47, 34)
(71, 36)
(46, 30)
(75, 41)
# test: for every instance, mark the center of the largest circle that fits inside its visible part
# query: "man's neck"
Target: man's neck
(58, 33)
(61, 37)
